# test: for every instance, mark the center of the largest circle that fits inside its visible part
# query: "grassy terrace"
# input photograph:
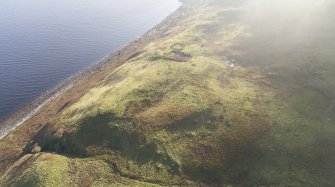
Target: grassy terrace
(197, 105)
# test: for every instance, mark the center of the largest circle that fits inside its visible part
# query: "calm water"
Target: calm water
(42, 42)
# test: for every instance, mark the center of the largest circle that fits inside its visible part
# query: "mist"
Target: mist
(292, 16)
(286, 31)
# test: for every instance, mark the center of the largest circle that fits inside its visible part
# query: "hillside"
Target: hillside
(208, 98)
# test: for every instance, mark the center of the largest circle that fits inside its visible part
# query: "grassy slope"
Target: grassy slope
(176, 113)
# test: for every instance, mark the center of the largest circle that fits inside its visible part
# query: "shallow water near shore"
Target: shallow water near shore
(44, 42)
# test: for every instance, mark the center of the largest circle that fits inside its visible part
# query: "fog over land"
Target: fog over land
(283, 28)
(295, 18)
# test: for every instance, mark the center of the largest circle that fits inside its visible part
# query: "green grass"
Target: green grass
(54, 170)
(162, 121)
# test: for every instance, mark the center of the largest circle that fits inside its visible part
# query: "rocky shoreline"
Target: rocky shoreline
(17, 119)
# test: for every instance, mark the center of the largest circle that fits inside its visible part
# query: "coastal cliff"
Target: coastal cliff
(200, 100)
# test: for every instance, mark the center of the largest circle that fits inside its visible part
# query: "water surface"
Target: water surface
(43, 42)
